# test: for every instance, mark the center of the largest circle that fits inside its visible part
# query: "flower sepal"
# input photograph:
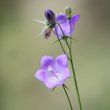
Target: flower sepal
(65, 37)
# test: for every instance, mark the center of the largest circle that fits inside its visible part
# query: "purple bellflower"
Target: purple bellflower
(66, 24)
(54, 71)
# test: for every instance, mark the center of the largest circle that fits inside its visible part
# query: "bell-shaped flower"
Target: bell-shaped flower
(66, 25)
(54, 71)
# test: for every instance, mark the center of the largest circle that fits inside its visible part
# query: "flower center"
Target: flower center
(50, 68)
(52, 72)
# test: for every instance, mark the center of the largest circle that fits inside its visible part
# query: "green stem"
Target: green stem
(61, 43)
(75, 80)
(70, 34)
(68, 97)
(72, 66)
(64, 37)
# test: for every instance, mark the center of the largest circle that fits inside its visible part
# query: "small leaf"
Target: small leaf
(66, 86)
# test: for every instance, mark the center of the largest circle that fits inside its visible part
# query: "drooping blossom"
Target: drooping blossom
(54, 71)
(66, 24)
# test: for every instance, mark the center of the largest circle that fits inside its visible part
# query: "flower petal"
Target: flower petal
(61, 18)
(40, 74)
(53, 82)
(73, 21)
(64, 24)
(57, 78)
(75, 18)
(62, 60)
(46, 61)
(66, 73)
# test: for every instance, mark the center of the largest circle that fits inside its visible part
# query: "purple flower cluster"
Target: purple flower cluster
(66, 21)
(54, 71)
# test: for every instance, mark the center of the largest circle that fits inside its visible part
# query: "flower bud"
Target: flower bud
(50, 16)
(68, 11)
(47, 32)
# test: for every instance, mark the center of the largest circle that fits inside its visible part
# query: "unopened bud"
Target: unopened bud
(50, 16)
(47, 32)
(68, 11)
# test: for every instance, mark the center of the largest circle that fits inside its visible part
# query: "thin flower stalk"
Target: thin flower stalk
(72, 66)
(64, 88)
(61, 44)
(69, 101)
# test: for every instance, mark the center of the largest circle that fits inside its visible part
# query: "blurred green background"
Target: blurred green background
(21, 48)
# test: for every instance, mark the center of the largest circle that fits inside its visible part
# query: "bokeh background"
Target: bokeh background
(21, 48)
